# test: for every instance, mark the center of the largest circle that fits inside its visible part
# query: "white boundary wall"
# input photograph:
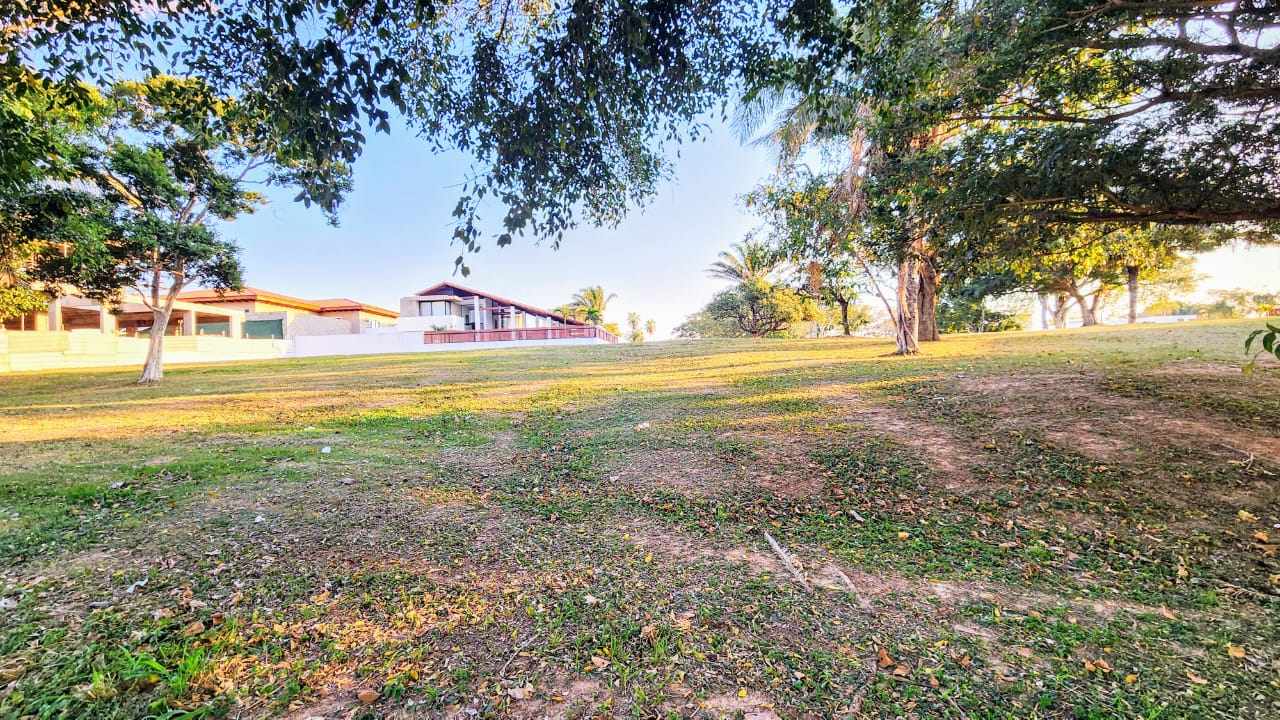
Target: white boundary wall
(378, 343)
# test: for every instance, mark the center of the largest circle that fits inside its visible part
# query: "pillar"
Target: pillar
(188, 322)
(236, 323)
(55, 315)
(106, 321)
(479, 316)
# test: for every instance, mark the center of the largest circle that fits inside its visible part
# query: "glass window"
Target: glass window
(434, 308)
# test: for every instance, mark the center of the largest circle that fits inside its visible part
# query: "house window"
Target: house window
(434, 308)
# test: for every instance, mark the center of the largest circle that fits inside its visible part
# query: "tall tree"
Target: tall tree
(566, 106)
(592, 302)
(635, 327)
(745, 261)
(136, 208)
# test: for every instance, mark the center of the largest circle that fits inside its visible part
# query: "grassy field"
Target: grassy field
(1070, 524)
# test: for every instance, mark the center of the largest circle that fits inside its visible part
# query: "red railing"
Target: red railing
(567, 332)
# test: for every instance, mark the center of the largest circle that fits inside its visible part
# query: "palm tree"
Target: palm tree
(633, 321)
(745, 261)
(570, 312)
(591, 302)
(650, 327)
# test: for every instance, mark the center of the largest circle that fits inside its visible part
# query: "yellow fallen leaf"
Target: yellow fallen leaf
(1246, 516)
(1235, 651)
(742, 693)
(903, 535)
(1262, 536)
(1167, 614)
(1130, 679)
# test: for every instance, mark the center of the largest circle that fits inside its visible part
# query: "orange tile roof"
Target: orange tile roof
(252, 294)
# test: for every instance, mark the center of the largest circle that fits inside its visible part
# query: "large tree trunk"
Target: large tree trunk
(928, 315)
(153, 369)
(1087, 315)
(906, 317)
(844, 316)
(1131, 275)
(1060, 310)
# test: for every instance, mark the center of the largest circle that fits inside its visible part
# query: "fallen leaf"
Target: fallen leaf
(884, 660)
(520, 693)
(1167, 613)
(590, 599)
(1235, 651)
(193, 629)
(161, 613)
(649, 632)
(1262, 536)
(598, 663)
(1193, 677)
(1130, 679)
(1246, 516)
(903, 535)
(902, 671)
(367, 696)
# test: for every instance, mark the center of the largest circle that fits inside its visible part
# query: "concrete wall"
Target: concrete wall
(407, 342)
(30, 351)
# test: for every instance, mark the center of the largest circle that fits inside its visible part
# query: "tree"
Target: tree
(565, 107)
(650, 327)
(745, 261)
(703, 325)
(635, 328)
(591, 303)
(759, 308)
(166, 160)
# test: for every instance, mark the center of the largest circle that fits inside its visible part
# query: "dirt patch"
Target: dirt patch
(874, 592)
(950, 458)
(687, 472)
(780, 462)
(563, 698)
(1077, 412)
(747, 705)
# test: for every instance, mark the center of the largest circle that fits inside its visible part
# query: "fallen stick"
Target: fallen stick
(848, 585)
(787, 561)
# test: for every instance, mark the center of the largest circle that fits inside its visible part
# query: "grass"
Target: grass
(1074, 524)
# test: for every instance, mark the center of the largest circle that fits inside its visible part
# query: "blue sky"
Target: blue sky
(394, 237)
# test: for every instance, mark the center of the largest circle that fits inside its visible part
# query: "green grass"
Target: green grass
(1074, 524)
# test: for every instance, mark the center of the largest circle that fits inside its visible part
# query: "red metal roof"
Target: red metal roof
(502, 301)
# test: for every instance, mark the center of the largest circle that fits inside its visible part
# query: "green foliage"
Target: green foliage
(1268, 342)
(957, 313)
(745, 261)
(564, 106)
(1011, 114)
(703, 325)
(590, 304)
(635, 328)
(760, 309)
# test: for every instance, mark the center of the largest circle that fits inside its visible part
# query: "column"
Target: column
(188, 322)
(237, 325)
(55, 315)
(106, 321)
(475, 308)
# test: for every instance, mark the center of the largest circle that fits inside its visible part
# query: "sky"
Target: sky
(395, 230)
